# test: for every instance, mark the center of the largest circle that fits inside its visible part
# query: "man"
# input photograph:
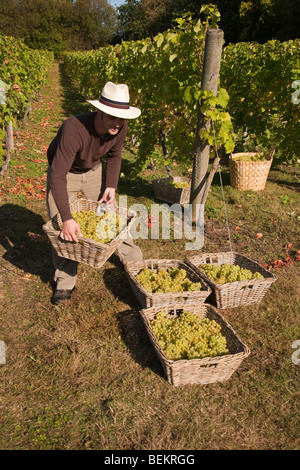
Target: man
(74, 158)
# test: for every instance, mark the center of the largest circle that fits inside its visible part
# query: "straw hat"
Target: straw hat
(114, 100)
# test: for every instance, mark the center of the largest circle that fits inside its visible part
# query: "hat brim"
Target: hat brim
(130, 113)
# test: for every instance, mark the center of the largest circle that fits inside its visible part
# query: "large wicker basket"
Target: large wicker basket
(248, 175)
(237, 293)
(86, 251)
(198, 371)
(147, 299)
(165, 192)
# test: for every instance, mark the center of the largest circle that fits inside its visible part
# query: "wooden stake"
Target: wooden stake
(210, 75)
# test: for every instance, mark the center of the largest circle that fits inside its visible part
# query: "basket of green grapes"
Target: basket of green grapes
(163, 281)
(234, 278)
(194, 343)
(102, 233)
(174, 190)
(249, 170)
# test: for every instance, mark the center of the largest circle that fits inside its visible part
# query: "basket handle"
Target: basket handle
(270, 154)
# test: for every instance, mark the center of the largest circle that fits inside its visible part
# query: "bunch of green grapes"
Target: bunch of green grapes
(188, 336)
(223, 273)
(166, 280)
(250, 158)
(179, 184)
(100, 228)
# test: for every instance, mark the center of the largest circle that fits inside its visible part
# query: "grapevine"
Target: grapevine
(259, 79)
(164, 77)
(166, 280)
(22, 73)
(188, 336)
(224, 273)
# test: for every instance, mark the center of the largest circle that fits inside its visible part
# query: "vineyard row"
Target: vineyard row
(254, 106)
(22, 73)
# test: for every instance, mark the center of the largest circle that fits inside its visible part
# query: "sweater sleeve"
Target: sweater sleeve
(69, 143)
(114, 159)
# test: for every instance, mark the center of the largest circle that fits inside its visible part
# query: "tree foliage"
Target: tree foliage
(252, 20)
(58, 25)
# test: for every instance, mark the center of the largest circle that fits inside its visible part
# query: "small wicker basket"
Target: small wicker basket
(249, 175)
(236, 293)
(198, 371)
(165, 192)
(147, 299)
(86, 251)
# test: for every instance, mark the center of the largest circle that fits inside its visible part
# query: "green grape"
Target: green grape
(188, 336)
(161, 281)
(179, 184)
(224, 273)
(250, 158)
(100, 228)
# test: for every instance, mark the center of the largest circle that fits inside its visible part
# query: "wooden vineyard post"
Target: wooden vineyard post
(210, 75)
(9, 143)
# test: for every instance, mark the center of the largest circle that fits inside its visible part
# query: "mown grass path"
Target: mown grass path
(84, 375)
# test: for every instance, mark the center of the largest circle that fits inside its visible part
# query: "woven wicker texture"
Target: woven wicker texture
(248, 175)
(86, 251)
(236, 293)
(198, 371)
(166, 192)
(147, 299)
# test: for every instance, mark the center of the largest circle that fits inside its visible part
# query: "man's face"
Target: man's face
(111, 124)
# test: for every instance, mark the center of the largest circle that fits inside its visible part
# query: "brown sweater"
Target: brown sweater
(76, 149)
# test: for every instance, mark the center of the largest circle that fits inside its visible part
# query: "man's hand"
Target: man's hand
(108, 196)
(69, 229)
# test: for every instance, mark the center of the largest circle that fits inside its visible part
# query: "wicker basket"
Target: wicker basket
(198, 371)
(236, 293)
(165, 192)
(248, 175)
(147, 299)
(86, 251)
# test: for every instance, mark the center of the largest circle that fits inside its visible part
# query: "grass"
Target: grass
(84, 375)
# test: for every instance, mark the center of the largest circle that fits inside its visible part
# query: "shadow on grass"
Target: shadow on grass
(26, 245)
(134, 186)
(284, 177)
(132, 329)
(136, 339)
(116, 282)
(225, 177)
